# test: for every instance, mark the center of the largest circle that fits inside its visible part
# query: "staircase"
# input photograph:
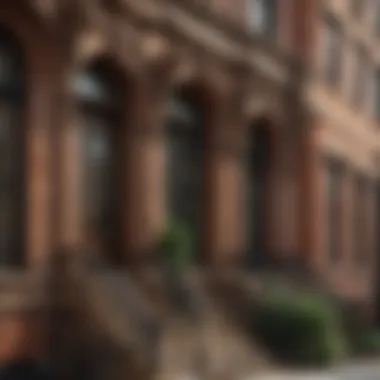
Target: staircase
(148, 325)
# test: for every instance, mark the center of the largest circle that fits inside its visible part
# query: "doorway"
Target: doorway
(258, 193)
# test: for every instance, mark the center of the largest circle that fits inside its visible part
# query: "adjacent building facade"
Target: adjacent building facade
(343, 90)
(253, 122)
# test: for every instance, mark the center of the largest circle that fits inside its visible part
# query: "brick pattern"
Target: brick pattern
(145, 211)
(22, 335)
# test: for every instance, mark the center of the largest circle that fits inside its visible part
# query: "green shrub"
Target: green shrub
(368, 343)
(299, 328)
(354, 317)
(176, 245)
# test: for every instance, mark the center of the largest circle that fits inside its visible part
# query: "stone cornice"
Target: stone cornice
(186, 22)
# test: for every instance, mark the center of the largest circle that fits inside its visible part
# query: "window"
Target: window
(100, 109)
(360, 77)
(332, 52)
(360, 224)
(376, 17)
(334, 211)
(185, 153)
(262, 16)
(377, 94)
(358, 8)
(12, 148)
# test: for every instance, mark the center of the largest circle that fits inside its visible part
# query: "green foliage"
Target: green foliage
(176, 245)
(368, 343)
(299, 328)
(355, 323)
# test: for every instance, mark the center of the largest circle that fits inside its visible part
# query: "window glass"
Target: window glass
(185, 164)
(360, 77)
(361, 219)
(334, 210)
(101, 114)
(377, 94)
(332, 52)
(262, 16)
(12, 148)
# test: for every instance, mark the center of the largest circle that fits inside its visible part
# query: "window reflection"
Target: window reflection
(262, 16)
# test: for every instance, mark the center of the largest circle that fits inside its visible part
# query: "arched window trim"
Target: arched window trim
(186, 117)
(95, 85)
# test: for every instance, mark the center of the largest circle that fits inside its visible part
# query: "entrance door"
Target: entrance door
(258, 195)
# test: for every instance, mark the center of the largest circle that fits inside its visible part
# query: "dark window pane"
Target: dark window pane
(257, 194)
(185, 152)
(332, 52)
(101, 145)
(376, 15)
(334, 222)
(361, 77)
(262, 16)
(360, 220)
(377, 94)
(12, 149)
(93, 86)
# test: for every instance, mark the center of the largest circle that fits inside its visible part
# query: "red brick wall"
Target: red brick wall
(22, 334)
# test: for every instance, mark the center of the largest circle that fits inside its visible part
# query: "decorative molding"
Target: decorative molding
(164, 41)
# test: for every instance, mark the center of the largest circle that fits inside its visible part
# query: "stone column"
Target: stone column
(65, 177)
(38, 164)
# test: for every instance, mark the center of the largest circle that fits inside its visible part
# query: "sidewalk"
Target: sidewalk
(355, 371)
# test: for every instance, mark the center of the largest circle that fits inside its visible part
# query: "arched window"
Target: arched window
(12, 150)
(185, 153)
(100, 97)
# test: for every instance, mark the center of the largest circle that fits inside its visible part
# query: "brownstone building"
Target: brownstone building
(255, 122)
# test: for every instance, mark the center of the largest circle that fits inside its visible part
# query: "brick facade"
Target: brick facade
(157, 47)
